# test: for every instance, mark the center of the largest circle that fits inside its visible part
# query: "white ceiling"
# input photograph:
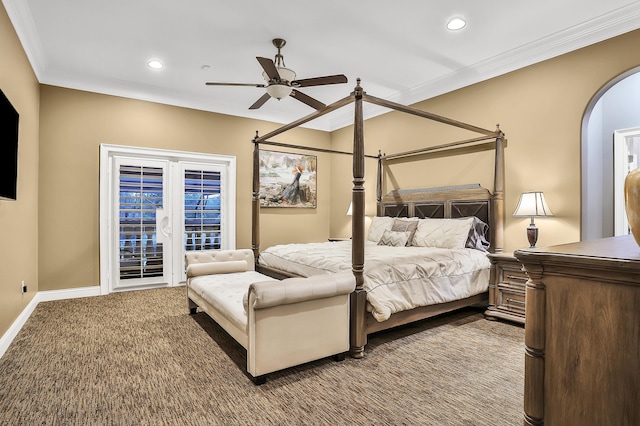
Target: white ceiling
(401, 50)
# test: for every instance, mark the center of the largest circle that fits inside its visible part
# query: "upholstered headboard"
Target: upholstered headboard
(439, 202)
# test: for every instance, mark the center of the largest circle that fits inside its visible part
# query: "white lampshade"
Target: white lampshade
(532, 204)
(350, 209)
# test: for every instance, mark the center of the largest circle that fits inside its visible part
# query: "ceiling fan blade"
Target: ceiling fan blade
(257, 104)
(269, 68)
(320, 81)
(313, 103)
(210, 83)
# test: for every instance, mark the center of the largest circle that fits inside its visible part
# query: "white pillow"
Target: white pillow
(379, 224)
(442, 233)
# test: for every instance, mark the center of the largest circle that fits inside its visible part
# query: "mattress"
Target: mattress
(395, 278)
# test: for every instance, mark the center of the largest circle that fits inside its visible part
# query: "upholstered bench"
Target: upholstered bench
(280, 323)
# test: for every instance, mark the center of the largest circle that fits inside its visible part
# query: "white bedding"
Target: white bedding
(395, 278)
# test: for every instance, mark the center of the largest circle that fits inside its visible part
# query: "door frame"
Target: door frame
(107, 154)
(620, 164)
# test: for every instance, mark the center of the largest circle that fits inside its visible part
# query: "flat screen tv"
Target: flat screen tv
(8, 149)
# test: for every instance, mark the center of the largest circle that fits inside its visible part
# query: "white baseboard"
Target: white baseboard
(42, 296)
(70, 293)
(12, 332)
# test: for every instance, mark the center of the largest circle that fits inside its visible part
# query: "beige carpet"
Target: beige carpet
(138, 358)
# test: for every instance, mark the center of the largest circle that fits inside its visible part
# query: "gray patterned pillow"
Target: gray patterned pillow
(477, 238)
(406, 225)
(395, 239)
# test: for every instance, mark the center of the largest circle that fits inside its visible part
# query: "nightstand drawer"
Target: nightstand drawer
(513, 276)
(511, 298)
(507, 289)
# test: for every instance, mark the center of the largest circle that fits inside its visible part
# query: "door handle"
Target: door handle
(162, 223)
(165, 228)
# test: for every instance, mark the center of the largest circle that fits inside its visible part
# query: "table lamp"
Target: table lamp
(532, 204)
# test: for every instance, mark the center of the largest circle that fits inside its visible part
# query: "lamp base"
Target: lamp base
(532, 235)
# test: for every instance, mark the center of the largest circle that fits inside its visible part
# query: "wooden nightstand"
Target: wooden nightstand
(507, 289)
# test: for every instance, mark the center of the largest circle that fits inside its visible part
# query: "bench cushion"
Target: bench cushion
(225, 292)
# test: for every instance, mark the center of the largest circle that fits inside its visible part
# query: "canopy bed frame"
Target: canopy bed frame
(445, 202)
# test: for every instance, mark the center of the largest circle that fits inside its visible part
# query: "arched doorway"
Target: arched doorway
(616, 107)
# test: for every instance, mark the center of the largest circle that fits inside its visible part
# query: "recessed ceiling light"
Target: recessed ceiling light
(456, 24)
(155, 64)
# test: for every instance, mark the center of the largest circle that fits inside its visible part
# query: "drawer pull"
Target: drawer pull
(519, 302)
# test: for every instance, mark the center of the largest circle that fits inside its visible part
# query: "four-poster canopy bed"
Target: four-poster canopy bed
(446, 202)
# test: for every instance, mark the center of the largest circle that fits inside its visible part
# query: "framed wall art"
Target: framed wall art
(287, 179)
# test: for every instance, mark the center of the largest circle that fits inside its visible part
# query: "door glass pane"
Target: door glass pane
(202, 214)
(140, 195)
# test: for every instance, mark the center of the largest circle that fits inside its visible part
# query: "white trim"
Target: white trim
(20, 15)
(620, 164)
(17, 325)
(68, 293)
(42, 296)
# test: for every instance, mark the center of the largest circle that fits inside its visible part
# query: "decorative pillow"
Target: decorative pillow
(395, 239)
(379, 224)
(442, 233)
(406, 225)
(477, 238)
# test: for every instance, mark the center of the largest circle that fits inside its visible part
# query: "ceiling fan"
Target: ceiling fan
(281, 81)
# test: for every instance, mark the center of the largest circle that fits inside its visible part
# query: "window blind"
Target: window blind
(141, 193)
(202, 213)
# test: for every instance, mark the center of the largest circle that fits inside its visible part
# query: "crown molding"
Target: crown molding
(604, 27)
(22, 20)
(609, 25)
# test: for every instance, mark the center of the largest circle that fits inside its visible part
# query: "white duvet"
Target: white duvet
(395, 278)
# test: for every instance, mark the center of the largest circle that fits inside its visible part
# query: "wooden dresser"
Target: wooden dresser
(582, 356)
(506, 289)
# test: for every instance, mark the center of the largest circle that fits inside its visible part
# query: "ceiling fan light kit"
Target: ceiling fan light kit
(283, 88)
(281, 81)
(279, 91)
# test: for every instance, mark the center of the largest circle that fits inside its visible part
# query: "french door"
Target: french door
(155, 206)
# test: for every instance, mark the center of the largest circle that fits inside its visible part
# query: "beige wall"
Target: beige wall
(75, 123)
(540, 108)
(19, 219)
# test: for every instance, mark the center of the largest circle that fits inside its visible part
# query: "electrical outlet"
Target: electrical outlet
(23, 287)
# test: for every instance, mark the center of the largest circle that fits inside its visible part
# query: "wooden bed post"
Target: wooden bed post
(379, 186)
(255, 201)
(497, 239)
(358, 335)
